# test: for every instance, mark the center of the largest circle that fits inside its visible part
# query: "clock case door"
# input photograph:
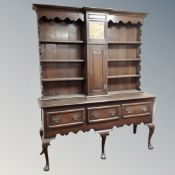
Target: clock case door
(96, 25)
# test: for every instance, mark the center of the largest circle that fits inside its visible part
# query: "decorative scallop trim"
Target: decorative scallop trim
(117, 126)
(139, 65)
(61, 15)
(61, 19)
(125, 19)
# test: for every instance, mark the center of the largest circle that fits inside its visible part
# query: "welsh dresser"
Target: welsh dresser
(90, 72)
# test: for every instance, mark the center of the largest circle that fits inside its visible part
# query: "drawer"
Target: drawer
(103, 113)
(136, 109)
(65, 118)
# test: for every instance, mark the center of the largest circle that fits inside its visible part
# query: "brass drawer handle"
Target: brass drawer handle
(128, 110)
(95, 114)
(75, 117)
(144, 109)
(56, 119)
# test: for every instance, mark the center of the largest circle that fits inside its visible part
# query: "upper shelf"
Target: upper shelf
(123, 76)
(62, 79)
(62, 61)
(124, 42)
(81, 42)
(62, 42)
(125, 60)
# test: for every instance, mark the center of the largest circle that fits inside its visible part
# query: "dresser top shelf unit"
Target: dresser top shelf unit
(64, 43)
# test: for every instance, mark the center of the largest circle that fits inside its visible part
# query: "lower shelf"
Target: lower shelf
(130, 91)
(124, 76)
(63, 79)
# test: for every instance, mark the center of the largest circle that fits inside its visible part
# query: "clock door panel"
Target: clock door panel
(97, 64)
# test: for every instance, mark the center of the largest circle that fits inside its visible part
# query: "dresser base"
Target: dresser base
(103, 134)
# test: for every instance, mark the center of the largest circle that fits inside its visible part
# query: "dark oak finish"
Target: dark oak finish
(90, 72)
(65, 118)
(103, 113)
(97, 80)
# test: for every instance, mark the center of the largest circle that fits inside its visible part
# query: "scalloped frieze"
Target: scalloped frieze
(115, 125)
(62, 15)
(125, 19)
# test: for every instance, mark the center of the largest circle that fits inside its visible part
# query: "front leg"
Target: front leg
(41, 132)
(134, 128)
(103, 135)
(151, 127)
(45, 144)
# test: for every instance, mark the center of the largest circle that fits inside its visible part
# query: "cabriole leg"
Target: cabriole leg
(45, 144)
(103, 136)
(151, 127)
(134, 129)
(41, 132)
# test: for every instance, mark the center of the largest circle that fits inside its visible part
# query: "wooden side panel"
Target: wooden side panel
(123, 32)
(97, 76)
(61, 51)
(62, 14)
(62, 70)
(63, 88)
(122, 51)
(59, 30)
(133, 33)
(122, 84)
(122, 68)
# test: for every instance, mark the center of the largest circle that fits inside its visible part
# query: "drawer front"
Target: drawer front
(136, 109)
(65, 118)
(103, 113)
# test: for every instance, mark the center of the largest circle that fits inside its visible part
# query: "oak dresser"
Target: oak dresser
(90, 72)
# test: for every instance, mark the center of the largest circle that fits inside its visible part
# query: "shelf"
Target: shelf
(61, 61)
(63, 96)
(120, 60)
(124, 91)
(62, 42)
(62, 79)
(124, 42)
(124, 76)
(56, 101)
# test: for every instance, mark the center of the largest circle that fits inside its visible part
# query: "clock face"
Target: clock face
(96, 30)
